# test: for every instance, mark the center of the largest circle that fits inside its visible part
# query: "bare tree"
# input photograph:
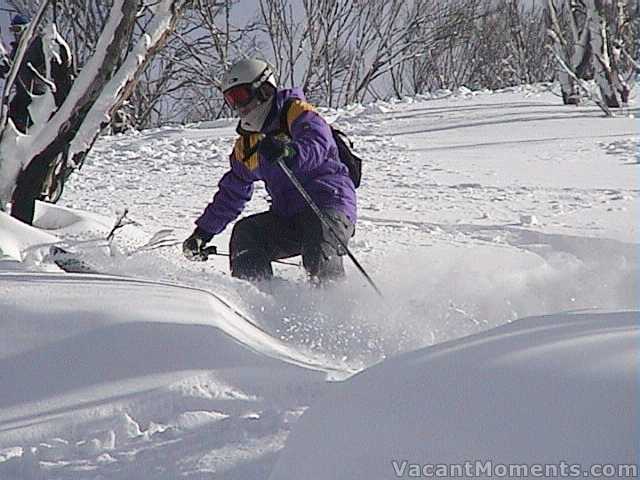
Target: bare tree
(448, 59)
(181, 84)
(338, 50)
(343, 51)
(78, 21)
(102, 85)
(569, 33)
(524, 56)
(326, 45)
(592, 38)
(608, 21)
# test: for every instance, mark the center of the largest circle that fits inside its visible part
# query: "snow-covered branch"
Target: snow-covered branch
(599, 29)
(100, 87)
(118, 89)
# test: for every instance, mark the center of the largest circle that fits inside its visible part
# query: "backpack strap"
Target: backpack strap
(342, 135)
(284, 114)
(343, 142)
(246, 148)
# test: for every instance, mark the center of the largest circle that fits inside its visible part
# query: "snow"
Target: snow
(477, 209)
(538, 391)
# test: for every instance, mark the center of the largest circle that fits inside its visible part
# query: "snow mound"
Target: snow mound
(547, 390)
(15, 237)
(115, 365)
(69, 221)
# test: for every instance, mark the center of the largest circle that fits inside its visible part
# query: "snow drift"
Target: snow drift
(548, 390)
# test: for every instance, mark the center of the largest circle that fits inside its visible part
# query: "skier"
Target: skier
(302, 138)
(32, 81)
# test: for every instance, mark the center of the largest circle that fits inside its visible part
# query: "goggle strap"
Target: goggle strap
(260, 79)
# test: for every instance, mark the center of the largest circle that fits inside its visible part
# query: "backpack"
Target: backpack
(344, 144)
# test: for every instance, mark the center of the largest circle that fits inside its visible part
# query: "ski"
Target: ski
(68, 262)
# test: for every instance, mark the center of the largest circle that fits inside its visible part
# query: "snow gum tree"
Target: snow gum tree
(607, 27)
(594, 39)
(103, 83)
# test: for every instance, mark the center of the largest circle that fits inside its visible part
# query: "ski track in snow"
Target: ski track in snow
(475, 210)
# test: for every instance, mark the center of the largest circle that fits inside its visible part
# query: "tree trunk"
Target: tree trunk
(99, 89)
(568, 86)
(606, 77)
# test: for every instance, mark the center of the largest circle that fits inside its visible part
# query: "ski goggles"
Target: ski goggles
(240, 96)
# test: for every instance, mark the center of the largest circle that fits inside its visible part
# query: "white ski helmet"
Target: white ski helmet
(243, 80)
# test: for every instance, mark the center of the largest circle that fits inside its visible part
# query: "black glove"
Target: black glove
(275, 148)
(4, 68)
(193, 247)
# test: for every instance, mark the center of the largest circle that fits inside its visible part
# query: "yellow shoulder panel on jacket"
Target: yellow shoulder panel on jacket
(297, 108)
(245, 145)
(238, 150)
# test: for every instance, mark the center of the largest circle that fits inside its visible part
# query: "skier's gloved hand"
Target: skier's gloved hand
(4, 68)
(193, 247)
(273, 148)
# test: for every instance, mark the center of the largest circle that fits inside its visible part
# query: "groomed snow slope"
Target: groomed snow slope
(476, 210)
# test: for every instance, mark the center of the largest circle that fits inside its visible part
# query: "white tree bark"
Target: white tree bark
(97, 91)
(603, 73)
(573, 52)
(121, 85)
(599, 29)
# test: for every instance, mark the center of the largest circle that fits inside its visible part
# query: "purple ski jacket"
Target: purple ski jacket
(316, 166)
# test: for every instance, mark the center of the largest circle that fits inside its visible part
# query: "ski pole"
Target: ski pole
(213, 250)
(323, 219)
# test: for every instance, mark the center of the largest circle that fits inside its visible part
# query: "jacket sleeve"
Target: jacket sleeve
(311, 136)
(234, 191)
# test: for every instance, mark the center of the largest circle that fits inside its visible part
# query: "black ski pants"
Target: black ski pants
(258, 239)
